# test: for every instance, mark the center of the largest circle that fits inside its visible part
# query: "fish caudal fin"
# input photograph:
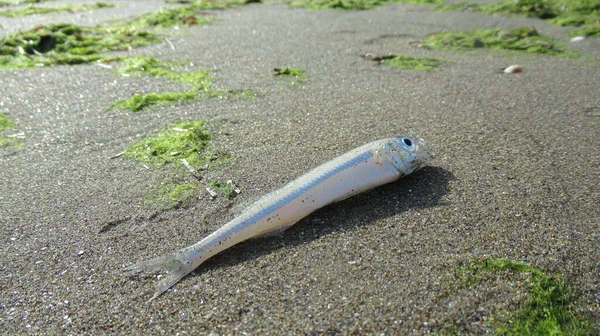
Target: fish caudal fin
(171, 263)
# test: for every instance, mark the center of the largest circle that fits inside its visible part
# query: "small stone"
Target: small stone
(578, 39)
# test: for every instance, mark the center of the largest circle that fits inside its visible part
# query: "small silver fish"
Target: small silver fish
(359, 170)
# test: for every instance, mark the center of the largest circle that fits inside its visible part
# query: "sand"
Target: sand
(516, 176)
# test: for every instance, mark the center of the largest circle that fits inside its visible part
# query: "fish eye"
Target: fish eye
(407, 142)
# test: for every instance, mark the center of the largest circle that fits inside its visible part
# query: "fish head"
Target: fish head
(409, 154)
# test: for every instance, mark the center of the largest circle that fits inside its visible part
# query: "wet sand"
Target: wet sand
(516, 176)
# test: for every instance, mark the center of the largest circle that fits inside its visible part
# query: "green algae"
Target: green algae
(238, 94)
(227, 189)
(140, 102)
(68, 44)
(21, 2)
(59, 44)
(5, 122)
(189, 140)
(527, 8)
(548, 309)
(169, 18)
(522, 40)
(200, 81)
(172, 193)
(587, 31)
(71, 44)
(9, 140)
(185, 140)
(557, 12)
(32, 10)
(356, 4)
(149, 66)
(220, 4)
(295, 74)
(175, 192)
(213, 4)
(412, 63)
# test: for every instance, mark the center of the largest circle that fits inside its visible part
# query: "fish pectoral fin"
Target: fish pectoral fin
(176, 270)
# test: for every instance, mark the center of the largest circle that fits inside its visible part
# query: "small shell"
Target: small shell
(578, 39)
(212, 193)
(514, 69)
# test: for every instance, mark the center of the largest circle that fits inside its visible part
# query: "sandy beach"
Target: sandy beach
(516, 176)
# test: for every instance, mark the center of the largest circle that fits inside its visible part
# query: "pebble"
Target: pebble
(578, 39)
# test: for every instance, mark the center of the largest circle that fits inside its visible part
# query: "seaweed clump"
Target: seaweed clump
(169, 18)
(296, 73)
(64, 43)
(68, 44)
(189, 140)
(20, 2)
(5, 122)
(564, 13)
(32, 10)
(523, 40)
(9, 140)
(172, 193)
(186, 140)
(200, 82)
(356, 4)
(406, 62)
(548, 309)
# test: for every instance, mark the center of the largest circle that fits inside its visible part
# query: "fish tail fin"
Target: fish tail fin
(174, 264)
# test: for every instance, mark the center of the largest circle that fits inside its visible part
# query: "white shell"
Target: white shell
(513, 69)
